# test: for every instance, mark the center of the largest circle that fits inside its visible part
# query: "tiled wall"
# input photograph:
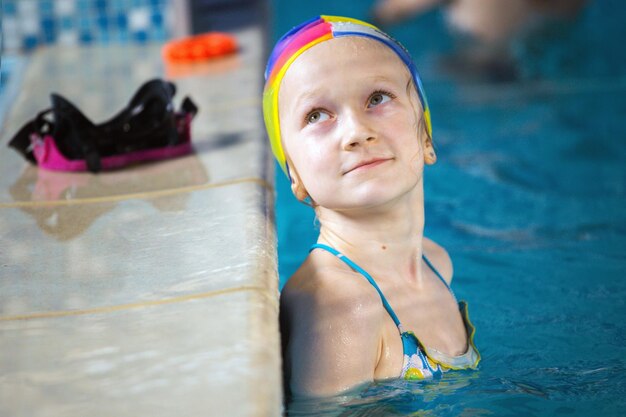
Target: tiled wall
(29, 23)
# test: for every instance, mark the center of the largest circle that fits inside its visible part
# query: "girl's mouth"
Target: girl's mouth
(367, 164)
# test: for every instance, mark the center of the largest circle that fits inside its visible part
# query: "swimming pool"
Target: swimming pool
(528, 196)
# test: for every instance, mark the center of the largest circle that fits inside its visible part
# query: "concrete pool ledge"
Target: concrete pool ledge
(150, 290)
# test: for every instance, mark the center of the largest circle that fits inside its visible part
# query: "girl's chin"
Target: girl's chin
(365, 203)
(379, 192)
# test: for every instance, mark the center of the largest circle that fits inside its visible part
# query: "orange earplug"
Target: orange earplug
(199, 47)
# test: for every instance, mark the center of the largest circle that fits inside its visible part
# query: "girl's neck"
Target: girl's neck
(384, 240)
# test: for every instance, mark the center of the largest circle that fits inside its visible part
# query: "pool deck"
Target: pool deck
(151, 290)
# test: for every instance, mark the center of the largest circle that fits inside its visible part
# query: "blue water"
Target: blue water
(529, 197)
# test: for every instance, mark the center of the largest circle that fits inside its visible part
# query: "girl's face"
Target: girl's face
(349, 123)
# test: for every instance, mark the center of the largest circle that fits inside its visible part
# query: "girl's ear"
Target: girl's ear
(430, 157)
(299, 191)
(297, 188)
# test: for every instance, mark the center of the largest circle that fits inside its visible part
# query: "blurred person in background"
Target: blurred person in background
(487, 28)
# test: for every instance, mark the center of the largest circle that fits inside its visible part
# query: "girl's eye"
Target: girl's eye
(317, 116)
(378, 97)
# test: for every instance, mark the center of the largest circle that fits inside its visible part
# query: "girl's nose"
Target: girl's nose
(357, 131)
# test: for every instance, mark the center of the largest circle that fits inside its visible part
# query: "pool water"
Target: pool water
(529, 198)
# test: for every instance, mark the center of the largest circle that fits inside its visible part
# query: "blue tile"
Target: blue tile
(84, 23)
(101, 6)
(158, 34)
(118, 5)
(121, 21)
(82, 6)
(85, 37)
(48, 29)
(157, 19)
(140, 36)
(46, 8)
(48, 24)
(94, 20)
(104, 37)
(30, 42)
(49, 37)
(123, 36)
(67, 22)
(9, 8)
(103, 22)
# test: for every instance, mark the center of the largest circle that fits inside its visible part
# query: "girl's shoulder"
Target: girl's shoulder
(323, 292)
(320, 279)
(439, 257)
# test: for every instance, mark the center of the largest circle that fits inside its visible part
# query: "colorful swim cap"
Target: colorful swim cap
(305, 36)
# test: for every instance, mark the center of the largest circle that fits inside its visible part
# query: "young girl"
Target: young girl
(349, 124)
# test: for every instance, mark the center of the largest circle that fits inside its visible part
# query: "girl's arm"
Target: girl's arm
(334, 334)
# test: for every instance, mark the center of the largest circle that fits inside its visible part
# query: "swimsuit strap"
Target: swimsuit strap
(367, 276)
(432, 267)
